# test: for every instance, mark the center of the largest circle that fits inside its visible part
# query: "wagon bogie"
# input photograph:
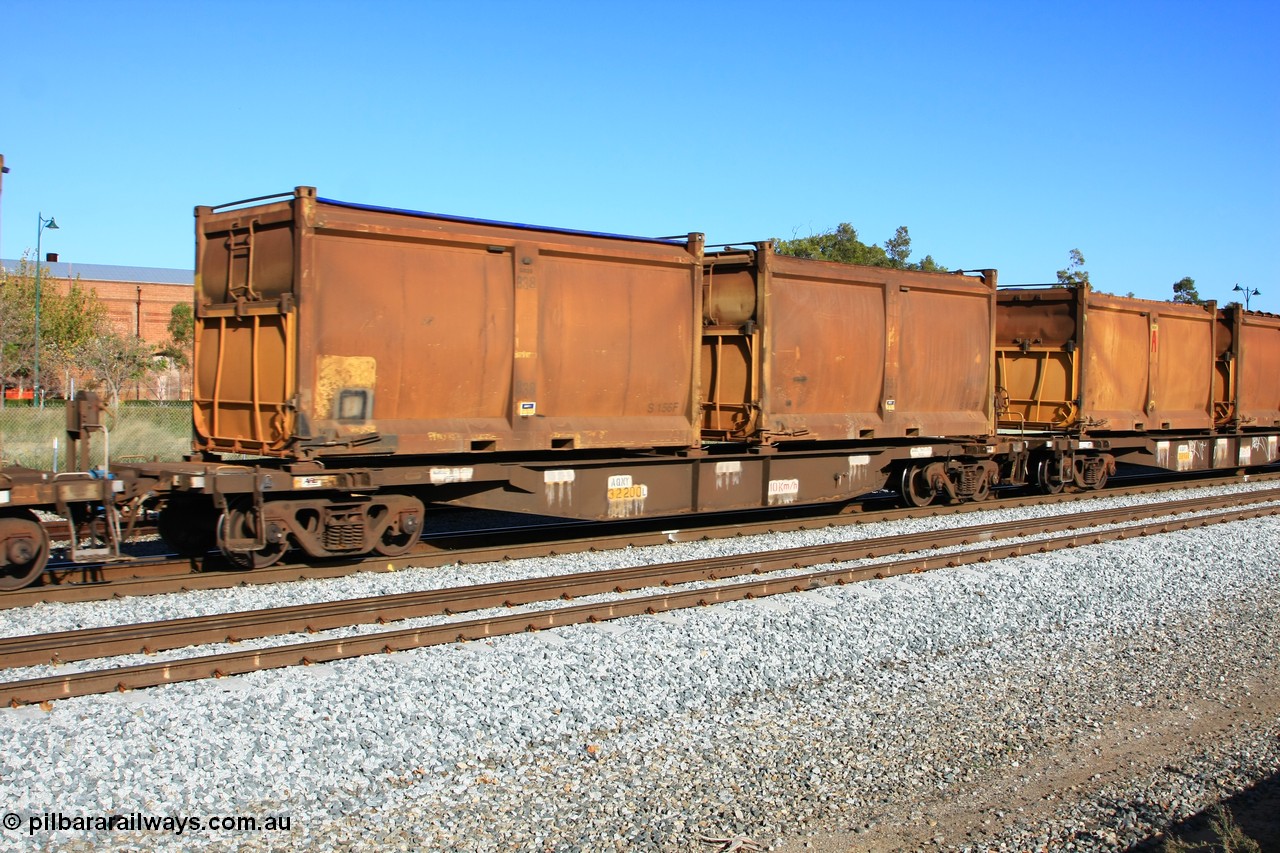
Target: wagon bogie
(255, 533)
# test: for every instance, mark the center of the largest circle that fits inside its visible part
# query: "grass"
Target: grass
(1228, 837)
(159, 431)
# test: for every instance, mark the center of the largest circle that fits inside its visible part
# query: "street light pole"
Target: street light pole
(43, 224)
(4, 170)
(1247, 293)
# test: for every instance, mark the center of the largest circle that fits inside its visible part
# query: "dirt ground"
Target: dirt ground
(970, 819)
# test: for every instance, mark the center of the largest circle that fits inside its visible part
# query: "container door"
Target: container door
(245, 330)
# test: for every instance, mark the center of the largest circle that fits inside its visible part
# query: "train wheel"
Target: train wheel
(405, 528)
(916, 489)
(239, 524)
(1048, 477)
(25, 550)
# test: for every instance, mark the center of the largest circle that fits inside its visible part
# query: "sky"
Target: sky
(1002, 134)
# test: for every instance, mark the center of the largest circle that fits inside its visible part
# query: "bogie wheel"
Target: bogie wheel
(405, 528)
(25, 550)
(1048, 478)
(916, 489)
(241, 523)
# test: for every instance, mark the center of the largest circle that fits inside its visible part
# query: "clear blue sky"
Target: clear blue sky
(1002, 134)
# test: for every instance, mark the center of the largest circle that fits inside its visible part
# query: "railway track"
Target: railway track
(166, 574)
(157, 636)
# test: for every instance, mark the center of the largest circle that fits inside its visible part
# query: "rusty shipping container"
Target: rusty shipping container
(797, 349)
(1247, 387)
(326, 328)
(1076, 360)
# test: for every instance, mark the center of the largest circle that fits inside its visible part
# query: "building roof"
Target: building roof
(110, 272)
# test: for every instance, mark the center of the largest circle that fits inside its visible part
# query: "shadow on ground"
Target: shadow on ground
(1256, 811)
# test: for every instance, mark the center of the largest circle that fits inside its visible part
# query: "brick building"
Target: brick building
(139, 301)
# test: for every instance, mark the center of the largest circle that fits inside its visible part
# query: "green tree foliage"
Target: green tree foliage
(1075, 274)
(843, 246)
(17, 320)
(182, 332)
(898, 247)
(1184, 291)
(67, 324)
(115, 360)
(70, 316)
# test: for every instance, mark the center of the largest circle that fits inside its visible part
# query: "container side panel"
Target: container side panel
(1259, 371)
(945, 355)
(616, 340)
(826, 353)
(1184, 382)
(463, 336)
(1118, 361)
(427, 328)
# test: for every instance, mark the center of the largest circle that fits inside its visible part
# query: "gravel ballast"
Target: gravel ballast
(843, 710)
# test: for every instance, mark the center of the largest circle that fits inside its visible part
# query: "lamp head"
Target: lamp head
(1238, 288)
(51, 224)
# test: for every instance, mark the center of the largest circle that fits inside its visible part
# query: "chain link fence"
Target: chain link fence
(137, 431)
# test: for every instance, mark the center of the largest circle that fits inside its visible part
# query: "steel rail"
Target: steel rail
(151, 637)
(151, 577)
(162, 672)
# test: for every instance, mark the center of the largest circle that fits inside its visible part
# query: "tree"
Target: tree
(898, 247)
(1075, 274)
(67, 321)
(843, 246)
(17, 321)
(67, 324)
(1184, 291)
(115, 360)
(182, 332)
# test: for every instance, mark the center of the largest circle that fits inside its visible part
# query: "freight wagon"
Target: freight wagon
(1151, 383)
(376, 361)
(356, 366)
